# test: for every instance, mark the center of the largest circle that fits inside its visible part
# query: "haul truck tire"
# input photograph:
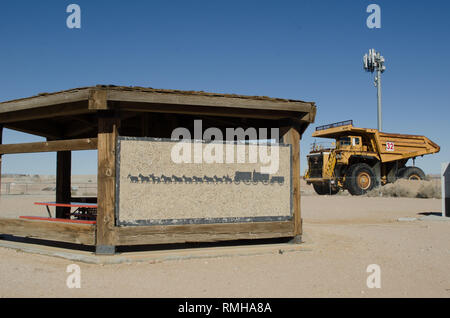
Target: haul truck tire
(324, 189)
(359, 179)
(412, 173)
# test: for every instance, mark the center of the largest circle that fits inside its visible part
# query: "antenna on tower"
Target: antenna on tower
(373, 61)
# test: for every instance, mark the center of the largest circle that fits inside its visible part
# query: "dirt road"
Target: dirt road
(343, 235)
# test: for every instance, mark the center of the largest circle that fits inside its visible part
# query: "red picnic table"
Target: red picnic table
(84, 213)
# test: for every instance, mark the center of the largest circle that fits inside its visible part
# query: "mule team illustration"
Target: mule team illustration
(240, 176)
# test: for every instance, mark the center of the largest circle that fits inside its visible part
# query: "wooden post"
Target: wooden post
(292, 137)
(107, 138)
(145, 127)
(63, 182)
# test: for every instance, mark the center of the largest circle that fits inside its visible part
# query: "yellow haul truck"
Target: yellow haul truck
(361, 159)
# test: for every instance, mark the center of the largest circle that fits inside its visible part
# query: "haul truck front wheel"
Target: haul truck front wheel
(324, 189)
(360, 179)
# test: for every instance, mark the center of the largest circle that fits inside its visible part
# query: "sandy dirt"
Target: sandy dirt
(343, 234)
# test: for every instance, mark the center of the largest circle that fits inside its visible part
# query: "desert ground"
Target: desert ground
(343, 235)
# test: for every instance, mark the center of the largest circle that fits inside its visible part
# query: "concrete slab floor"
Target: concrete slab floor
(430, 217)
(86, 255)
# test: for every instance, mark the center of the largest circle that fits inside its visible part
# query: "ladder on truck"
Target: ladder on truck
(329, 169)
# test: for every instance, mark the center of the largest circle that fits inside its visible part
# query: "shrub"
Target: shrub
(409, 189)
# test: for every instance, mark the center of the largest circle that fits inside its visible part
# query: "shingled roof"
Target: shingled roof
(158, 90)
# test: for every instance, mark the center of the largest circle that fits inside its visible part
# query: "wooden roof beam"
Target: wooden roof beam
(187, 101)
(45, 100)
(69, 109)
(50, 146)
(47, 130)
(208, 111)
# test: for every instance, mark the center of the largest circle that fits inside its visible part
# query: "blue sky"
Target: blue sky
(308, 50)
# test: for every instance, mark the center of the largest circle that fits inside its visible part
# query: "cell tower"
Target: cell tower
(375, 62)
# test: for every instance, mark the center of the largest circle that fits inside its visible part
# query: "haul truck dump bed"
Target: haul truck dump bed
(363, 158)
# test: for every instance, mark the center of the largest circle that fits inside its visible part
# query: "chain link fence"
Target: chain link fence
(46, 188)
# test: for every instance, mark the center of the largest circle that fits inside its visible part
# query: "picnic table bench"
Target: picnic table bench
(83, 211)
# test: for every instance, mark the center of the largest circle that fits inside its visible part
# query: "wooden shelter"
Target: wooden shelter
(93, 118)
